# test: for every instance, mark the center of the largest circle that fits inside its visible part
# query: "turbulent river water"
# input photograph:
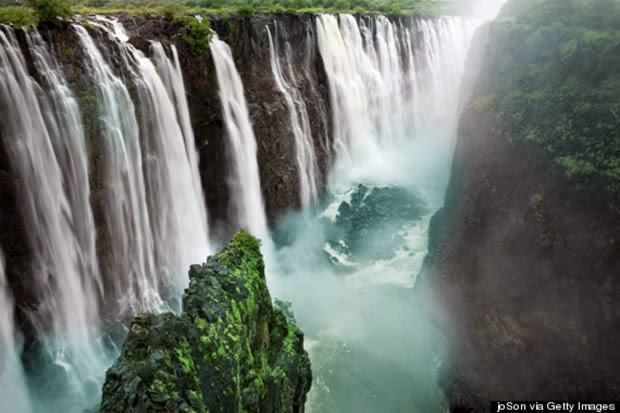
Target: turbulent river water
(347, 261)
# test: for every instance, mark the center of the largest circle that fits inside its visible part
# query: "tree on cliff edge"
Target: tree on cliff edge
(51, 12)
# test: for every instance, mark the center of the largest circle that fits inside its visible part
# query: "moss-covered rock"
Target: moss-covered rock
(229, 350)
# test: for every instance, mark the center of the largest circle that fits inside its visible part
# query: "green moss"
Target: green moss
(229, 348)
(185, 356)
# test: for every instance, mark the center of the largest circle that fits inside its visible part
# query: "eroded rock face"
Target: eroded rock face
(229, 350)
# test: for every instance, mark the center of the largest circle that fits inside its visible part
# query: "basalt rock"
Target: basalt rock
(229, 350)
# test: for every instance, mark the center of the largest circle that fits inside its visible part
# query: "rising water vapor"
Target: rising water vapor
(350, 271)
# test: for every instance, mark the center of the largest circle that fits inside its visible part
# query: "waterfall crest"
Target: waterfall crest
(67, 282)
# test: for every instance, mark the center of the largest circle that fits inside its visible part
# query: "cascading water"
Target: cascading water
(159, 196)
(153, 217)
(125, 213)
(393, 88)
(436, 67)
(68, 285)
(300, 125)
(244, 181)
(178, 217)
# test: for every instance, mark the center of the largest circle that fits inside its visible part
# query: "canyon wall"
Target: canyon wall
(525, 255)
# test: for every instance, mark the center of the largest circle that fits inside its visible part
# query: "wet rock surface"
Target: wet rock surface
(371, 214)
(229, 350)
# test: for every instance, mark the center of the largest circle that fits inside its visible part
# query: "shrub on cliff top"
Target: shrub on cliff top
(17, 16)
(52, 12)
(196, 33)
(246, 11)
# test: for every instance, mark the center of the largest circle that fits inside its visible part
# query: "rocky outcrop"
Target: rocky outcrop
(229, 350)
(526, 262)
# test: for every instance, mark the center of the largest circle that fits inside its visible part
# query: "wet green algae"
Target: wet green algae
(229, 350)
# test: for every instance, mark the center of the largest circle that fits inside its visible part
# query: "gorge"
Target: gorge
(128, 157)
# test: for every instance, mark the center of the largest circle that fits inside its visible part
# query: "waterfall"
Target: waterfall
(68, 289)
(244, 180)
(436, 51)
(390, 80)
(126, 215)
(300, 125)
(179, 217)
(13, 390)
(162, 199)
(352, 82)
(69, 144)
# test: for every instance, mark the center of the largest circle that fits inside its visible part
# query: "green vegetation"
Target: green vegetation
(18, 16)
(51, 12)
(229, 350)
(196, 33)
(556, 83)
(48, 11)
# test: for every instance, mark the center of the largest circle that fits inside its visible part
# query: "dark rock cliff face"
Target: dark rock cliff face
(527, 268)
(228, 351)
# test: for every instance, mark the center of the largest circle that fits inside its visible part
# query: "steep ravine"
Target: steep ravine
(265, 358)
(525, 261)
